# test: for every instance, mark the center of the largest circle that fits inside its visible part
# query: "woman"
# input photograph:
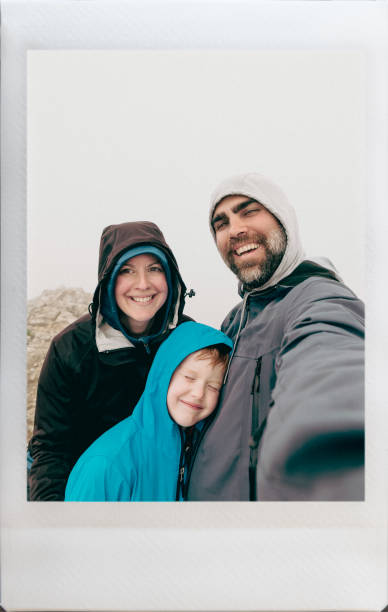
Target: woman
(96, 368)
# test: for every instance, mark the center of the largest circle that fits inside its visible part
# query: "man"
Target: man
(291, 421)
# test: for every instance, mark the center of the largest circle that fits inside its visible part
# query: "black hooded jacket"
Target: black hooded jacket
(85, 387)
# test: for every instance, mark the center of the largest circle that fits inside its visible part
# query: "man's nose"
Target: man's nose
(237, 226)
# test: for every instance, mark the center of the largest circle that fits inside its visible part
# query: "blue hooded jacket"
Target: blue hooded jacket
(138, 459)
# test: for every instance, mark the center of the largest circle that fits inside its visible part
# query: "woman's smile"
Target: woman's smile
(142, 300)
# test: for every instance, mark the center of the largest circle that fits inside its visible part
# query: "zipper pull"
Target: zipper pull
(181, 473)
(147, 348)
(256, 377)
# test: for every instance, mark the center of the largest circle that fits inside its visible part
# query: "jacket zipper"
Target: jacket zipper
(181, 470)
(194, 454)
(253, 444)
(188, 445)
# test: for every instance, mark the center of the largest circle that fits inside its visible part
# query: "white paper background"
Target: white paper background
(277, 556)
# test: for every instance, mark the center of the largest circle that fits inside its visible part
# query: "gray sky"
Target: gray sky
(118, 136)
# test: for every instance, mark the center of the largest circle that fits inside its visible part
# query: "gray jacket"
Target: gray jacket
(291, 420)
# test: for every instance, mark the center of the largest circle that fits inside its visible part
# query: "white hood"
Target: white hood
(272, 197)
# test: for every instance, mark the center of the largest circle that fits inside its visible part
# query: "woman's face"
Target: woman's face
(140, 291)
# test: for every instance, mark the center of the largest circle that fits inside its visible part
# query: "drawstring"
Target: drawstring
(237, 336)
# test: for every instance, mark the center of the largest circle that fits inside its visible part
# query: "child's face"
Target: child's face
(194, 390)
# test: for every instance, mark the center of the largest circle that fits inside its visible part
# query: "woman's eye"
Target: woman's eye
(125, 271)
(156, 269)
(214, 388)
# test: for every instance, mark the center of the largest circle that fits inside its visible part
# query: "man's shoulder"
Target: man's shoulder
(312, 289)
(322, 304)
(319, 288)
(306, 286)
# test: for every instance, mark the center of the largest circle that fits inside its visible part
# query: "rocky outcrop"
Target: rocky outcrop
(47, 315)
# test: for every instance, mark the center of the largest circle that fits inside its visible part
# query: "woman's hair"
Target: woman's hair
(217, 354)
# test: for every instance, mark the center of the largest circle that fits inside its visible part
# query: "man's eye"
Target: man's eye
(219, 225)
(251, 210)
(188, 377)
(214, 388)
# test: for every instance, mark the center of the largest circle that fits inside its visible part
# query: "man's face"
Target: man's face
(250, 239)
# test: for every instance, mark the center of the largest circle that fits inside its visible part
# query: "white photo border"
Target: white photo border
(234, 556)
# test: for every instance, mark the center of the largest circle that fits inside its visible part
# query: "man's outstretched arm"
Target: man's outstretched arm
(313, 445)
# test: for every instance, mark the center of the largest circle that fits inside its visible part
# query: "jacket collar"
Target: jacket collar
(305, 270)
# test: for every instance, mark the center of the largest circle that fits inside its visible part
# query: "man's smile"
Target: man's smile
(246, 248)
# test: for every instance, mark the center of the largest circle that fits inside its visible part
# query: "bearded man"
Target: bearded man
(290, 425)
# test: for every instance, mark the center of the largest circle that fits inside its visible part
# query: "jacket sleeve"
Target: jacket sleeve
(313, 445)
(50, 445)
(95, 479)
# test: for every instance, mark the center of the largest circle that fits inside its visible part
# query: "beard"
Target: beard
(253, 274)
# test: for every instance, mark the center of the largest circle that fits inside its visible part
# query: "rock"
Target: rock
(47, 315)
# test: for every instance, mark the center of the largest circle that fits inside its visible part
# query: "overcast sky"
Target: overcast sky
(118, 136)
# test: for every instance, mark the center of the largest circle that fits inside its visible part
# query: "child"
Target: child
(146, 457)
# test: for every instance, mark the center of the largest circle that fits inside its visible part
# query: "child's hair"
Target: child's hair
(217, 354)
